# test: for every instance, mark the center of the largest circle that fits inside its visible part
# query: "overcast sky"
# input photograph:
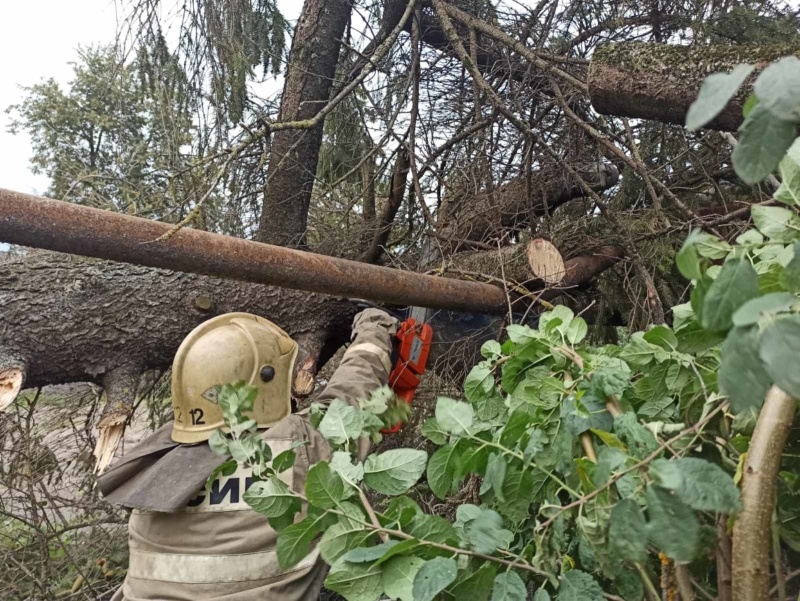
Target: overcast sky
(38, 40)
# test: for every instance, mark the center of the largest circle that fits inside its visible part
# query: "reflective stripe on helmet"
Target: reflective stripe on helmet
(369, 347)
(209, 569)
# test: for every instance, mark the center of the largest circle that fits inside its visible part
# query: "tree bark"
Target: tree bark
(390, 208)
(508, 209)
(538, 261)
(294, 153)
(70, 319)
(752, 532)
(516, 267)
(659, 82)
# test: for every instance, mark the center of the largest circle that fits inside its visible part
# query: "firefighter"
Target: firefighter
(187, 543)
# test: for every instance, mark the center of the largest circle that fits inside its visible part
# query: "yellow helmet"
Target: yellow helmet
(226, 349)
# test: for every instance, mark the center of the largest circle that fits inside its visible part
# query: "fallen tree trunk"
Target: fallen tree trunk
(510, 207)
(69, 319)
(538, 261)
(72, 319)
(659, 82)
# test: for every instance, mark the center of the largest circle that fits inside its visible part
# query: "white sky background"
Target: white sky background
(38, 40)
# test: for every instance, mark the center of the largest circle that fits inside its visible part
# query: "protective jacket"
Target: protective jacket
(189, 544)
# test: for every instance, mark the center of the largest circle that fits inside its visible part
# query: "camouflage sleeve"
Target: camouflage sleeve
(367, 361)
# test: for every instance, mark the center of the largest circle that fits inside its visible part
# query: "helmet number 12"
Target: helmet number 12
(197, 416)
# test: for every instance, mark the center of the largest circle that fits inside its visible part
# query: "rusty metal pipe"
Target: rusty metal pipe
(65, 227)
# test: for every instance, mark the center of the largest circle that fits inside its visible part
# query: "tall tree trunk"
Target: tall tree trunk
(294, 153)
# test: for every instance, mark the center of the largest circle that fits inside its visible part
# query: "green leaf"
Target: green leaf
(640, 440)
(588, 412)
(627, 534)
(283, 461)
(763, 140)
(736, 284)
(611, 379)
(324, 487)
(750, 312)
(688, 259)
(515, 427)
(398, 577)
(662, 336)
(434, 529)
(508, 586)
(576, 330)
(401, 510)
(343, 465)
(433, 577)
(453, 416)
(559, 454)
(609, 439)
(776, 223)
(479, 383)
(444, 470)
(558, 319)
(698, 483)
(370, 554)
(477, 586)
(711, 247)
(541, 595)
(394, 472)
(378, 400)
(535, 444)
(672, 525)
(537, 389)
(294, 542)
(640, 353)
(657, 409)
(789, 190)
(790, 276)
(486, 533)
(579, 586)
(355, 581)
(715, 93)
(433, 431)
(341, 423)
(742, 375)
(495, 475)
(522, 335)
(749, 104)
(345, 535)
(491, 349)
(219, 443)
(780, 350)
(518, 490)
(271, 498)
(778, 88)
(223, 470)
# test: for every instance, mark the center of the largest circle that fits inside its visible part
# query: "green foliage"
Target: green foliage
(114, 138)
(715, 93)
(549, 518)
(770, 125)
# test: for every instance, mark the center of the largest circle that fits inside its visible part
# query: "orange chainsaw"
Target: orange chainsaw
(412, 346)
